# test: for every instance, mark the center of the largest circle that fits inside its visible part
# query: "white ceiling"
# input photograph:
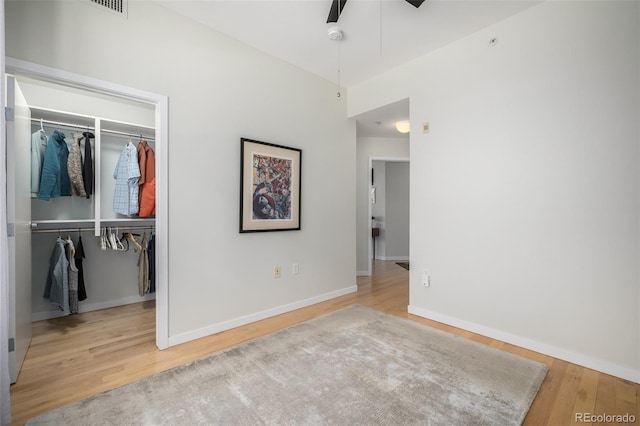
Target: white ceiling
(380, 122)
(378, 34)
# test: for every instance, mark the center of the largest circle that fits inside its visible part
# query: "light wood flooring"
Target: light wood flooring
(74, 357)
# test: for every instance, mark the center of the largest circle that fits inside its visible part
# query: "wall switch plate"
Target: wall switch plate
(277, 272)
(295, 269)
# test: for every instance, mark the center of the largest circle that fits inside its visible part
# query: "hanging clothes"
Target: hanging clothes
(142, 161)
(54, 181)
(143, 268)
(79, 257)
(147, 162)
(74, 166)
(87, 164)
(57, 286)
(38, 147)
(73, 276)
(126, 174)
(151, 253)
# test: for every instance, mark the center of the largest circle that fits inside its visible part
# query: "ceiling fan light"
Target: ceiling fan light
(403, 126)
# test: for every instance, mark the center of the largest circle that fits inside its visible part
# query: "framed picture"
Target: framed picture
(269, 187)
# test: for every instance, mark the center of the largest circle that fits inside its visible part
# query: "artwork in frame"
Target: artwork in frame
(269, 187)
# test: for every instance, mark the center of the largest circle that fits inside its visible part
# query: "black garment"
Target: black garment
(151, 253)
(87, 165)
(82, 292)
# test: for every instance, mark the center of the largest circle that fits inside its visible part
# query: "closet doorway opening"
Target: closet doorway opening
(104, 120)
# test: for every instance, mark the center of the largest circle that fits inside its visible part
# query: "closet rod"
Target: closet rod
(77, 126)
(60, 123)
(119, 228)
(131, 135)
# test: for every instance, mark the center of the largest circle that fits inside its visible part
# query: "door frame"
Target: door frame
(18, 211)
(161, 102)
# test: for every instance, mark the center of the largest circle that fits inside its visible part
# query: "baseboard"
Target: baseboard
(88, 307)
(363, 273)
(247, 319)
(543, 348)
(395, 258)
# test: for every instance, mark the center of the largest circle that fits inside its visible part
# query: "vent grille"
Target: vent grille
(117, 6)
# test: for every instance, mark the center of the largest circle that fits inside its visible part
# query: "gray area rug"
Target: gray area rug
(356, 366)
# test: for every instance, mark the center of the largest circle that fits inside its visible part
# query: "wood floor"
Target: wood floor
(74, 357)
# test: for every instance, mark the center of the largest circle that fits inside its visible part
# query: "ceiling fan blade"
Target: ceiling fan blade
(334, 13)
(415, 3)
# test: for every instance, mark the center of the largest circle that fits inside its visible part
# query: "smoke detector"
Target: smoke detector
(335, 33)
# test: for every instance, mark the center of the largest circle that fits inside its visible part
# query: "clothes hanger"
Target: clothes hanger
(112, 240)
(103, 238)
(120, 245)
(134, 241)
(73, 247)
(125, 241)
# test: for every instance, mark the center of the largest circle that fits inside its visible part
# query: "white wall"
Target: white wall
(219, 91)
(40, 94)
(397, 224)
(370, 148)
(528, 184)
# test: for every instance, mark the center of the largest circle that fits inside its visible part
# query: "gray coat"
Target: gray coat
(38, 147)
(57, 287)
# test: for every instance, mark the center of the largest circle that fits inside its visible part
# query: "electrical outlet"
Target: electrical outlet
(295, 269)
(426, 278)
(277, 272)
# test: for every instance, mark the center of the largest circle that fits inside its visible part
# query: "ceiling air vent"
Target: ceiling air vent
(118, 7)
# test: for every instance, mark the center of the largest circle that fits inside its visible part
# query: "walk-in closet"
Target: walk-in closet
(83, 178)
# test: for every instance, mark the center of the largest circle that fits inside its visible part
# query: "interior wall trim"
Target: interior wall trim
(531, 344)
(247, 319)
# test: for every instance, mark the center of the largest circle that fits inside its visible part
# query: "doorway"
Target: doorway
(378, 140)
(389, 204)
(95, 91)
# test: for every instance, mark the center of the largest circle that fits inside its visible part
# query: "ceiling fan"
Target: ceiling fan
(338, 5)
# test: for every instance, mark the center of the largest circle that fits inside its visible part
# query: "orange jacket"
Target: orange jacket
(147, 182)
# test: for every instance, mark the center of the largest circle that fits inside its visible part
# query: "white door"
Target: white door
(18, 216)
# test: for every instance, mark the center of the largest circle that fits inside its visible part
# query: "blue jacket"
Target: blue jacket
(54, 181)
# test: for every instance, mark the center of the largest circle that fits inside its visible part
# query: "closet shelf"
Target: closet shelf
(90, 223)
(125, 221)
(53, 224)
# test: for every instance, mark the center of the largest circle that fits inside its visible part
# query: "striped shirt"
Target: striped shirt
(126, 174)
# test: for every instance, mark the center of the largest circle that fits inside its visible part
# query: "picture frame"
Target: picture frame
(270, 186)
